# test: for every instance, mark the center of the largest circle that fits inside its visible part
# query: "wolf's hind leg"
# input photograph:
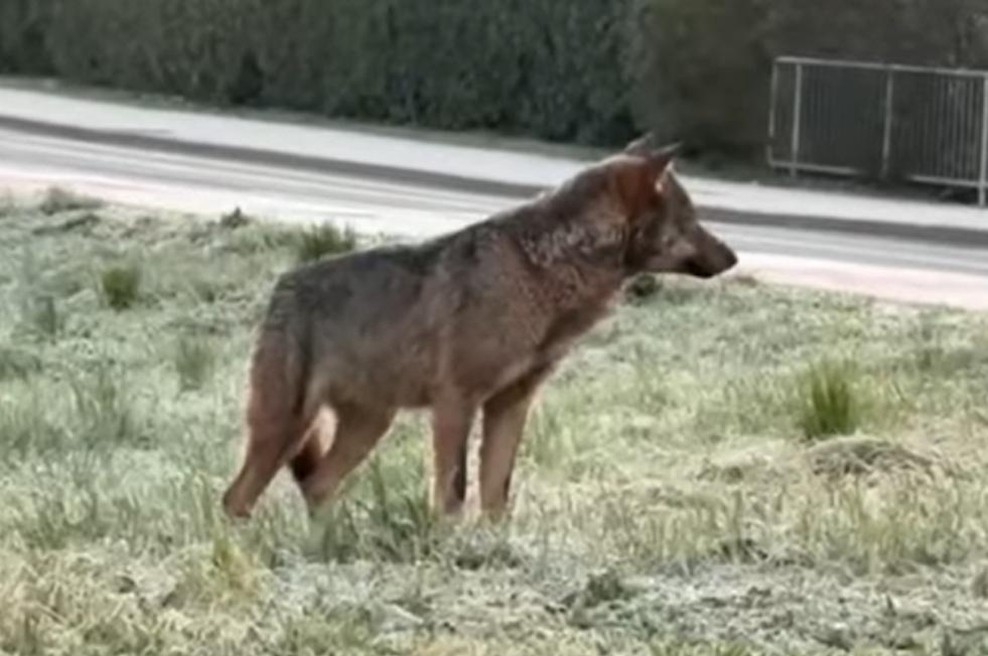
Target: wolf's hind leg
(269, 447)
(277, 427)
(358, 430)
(307, 460)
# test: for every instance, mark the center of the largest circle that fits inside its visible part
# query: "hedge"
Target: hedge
(585, 71)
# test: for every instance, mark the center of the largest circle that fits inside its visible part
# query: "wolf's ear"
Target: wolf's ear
(659, 158)
(662, 157)
(642, 146)
(641, 184)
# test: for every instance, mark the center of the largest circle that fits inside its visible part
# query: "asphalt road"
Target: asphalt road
(201, 183)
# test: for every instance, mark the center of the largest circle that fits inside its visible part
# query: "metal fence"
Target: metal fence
(888, 122)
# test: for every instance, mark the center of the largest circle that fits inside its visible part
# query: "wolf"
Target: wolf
(470, 323)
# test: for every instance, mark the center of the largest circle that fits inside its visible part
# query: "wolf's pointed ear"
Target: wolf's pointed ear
(659, 158)
(662, 157)
(643, 146)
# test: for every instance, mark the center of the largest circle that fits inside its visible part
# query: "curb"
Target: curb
(415, 177)
(943, 235)
(950, 235)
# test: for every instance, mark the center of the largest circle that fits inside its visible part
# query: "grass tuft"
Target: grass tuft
(642, 288)
(121, 285)
(388, 519)
(194, 359)
(979, 586)
(82, 222)
(235, 220)
(680, 648)
(17, 363)
(324, 240)
(26, 430)
(103, 412)
(58, 199)
(8, 206)
(44, 316)
(829, 403)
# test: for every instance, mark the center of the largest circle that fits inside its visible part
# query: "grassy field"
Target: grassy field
(723, 469)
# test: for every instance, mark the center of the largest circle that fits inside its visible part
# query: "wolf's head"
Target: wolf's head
(666, 235)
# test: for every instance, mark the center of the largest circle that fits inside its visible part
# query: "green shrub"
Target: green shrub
(194, 360)
(388, 519)
(26, 429)
(121, 286)
(829, 402)
(594, 71)
(235, 220)
(58, 200)
(24, 30)
(44, 316)
(104, 416)
(549, 68)
(17, 363)
(320, 241)
(7, 204)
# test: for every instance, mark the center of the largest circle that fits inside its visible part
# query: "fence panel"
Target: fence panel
(880, 121)
(937, 128)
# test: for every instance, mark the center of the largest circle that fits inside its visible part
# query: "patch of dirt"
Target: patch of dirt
(859, 456)
(738, 469)
(794, 610)
(81, 222)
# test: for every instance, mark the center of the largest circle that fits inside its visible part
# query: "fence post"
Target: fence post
(772, 111)
(889, 118)
(797, 119)
(983, 183)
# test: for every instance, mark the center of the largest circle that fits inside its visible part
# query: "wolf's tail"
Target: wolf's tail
(275, 424)
(278, 381)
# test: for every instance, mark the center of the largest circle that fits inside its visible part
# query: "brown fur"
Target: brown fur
(473, 322)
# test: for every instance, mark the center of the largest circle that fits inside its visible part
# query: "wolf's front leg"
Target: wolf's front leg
(451, 424)
(505, 416)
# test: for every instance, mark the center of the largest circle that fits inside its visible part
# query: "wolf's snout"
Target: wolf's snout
(729, 259)
(713, 257)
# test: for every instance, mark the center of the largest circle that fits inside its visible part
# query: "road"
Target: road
(197, 183)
